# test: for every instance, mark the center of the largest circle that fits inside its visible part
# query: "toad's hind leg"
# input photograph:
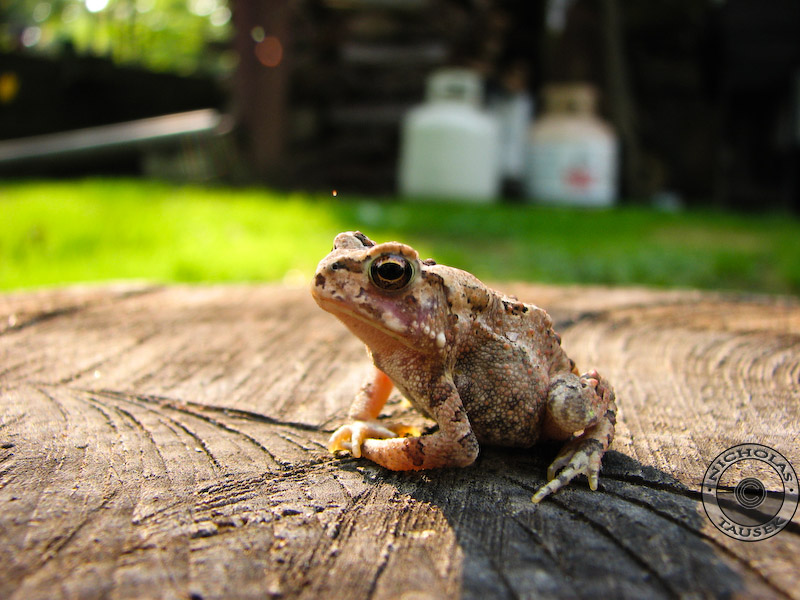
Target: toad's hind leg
(575, 403)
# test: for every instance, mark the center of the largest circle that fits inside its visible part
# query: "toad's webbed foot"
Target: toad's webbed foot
(350, 437)
(581, 456)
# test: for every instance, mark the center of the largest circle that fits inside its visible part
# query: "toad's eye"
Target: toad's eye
(391, 272)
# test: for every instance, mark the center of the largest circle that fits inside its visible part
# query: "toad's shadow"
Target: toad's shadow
(638, 536)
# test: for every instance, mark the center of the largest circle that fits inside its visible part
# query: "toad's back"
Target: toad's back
(505, 354)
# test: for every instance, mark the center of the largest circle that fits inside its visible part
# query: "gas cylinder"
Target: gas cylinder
(572, 153)
(449, 145)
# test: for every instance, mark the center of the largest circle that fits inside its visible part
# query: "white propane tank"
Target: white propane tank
(449, 146)
(572, 153)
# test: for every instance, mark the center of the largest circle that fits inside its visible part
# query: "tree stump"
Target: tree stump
(169, 442)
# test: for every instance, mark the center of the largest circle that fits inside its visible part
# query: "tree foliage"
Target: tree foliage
(185, 36)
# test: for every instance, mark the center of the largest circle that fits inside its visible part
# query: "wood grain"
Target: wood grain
(169, 442)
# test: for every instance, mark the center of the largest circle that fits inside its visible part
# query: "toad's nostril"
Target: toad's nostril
(319, 280)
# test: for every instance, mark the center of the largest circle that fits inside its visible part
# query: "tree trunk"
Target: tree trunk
(169, 442)
(261, 83)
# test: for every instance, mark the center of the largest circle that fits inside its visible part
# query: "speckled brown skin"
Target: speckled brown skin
(486, 367)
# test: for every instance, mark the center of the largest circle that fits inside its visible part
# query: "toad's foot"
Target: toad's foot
(582, 456)
(574, 404)
(600, 385)
(352, 436)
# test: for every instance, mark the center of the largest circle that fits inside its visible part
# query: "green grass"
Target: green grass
(54, 233)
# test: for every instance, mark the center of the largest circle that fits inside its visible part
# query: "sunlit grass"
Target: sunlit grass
(54, 233)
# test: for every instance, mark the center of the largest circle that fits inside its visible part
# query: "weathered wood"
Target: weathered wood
(170, 443)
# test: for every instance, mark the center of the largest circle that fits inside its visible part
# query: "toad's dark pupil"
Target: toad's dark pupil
(391, 273)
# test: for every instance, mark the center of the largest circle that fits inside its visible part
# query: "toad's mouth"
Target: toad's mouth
(366, 327)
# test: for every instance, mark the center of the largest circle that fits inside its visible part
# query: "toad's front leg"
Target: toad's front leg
(364, 414)
(575, 403)
(453, 445)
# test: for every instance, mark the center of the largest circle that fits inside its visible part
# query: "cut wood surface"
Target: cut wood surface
(169, 442)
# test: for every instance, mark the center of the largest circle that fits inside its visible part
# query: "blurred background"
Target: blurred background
(695, 105)
(703, 94)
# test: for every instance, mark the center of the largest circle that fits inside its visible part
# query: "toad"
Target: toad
(487, 368)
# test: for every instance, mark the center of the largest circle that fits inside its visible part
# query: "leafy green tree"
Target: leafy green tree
(185, 36)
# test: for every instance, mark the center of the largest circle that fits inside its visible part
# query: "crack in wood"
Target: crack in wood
(65, 311)
(176, 404)
(701, 534)
(214, 422)
(59, 542)
(677, 488)
(638, 483)
(631, 553)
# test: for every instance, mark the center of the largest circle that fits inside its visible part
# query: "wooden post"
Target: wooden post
(262, 42)
(621, 100)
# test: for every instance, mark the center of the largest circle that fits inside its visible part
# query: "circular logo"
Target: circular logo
(750, 492)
